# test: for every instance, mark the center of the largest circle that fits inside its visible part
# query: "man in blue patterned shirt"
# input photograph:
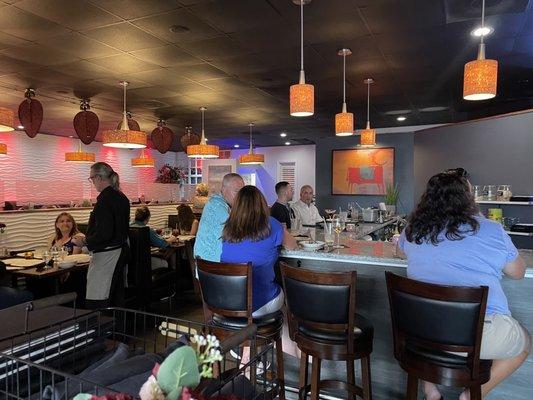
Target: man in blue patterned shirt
(208, 245)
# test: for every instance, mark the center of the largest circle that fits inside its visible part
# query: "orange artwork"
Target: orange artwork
(362, 171)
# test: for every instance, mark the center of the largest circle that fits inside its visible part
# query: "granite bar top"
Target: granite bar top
(370, 253)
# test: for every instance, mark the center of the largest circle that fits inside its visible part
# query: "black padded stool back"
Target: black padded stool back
(173, 222)
(427, 317)
(139, 265)
(319, 301)
(226, 289)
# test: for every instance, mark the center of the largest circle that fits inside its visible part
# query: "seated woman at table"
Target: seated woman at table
(187, 224)
(65, 230)
(252, 235)
(448, 242)
(142, 217)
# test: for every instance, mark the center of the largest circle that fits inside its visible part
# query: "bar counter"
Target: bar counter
(371, 260)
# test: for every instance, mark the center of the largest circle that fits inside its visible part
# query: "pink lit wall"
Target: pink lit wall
(35, 170)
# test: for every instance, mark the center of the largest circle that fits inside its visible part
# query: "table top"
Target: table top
(50, 272)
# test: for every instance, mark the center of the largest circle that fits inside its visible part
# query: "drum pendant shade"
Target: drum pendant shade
(143, 161)
(251, 158)
(79, 156)
(202, 150)
(368, 135)
(3, 149)
(344, 120)
(7, 120)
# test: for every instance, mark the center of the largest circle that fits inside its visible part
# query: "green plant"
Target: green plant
(392, 192)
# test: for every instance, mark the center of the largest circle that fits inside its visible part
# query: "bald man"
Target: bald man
(304, 209)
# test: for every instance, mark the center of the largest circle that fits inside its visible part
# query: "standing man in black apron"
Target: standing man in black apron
(106, 239)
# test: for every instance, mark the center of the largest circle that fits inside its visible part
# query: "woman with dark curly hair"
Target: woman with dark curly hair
(448, 242)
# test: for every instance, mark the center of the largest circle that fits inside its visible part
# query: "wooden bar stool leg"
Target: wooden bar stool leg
(315, 378)
(412, 387)
(350, 373)
(366, 378)
(304, 365)
(281, 369)
(475, 392)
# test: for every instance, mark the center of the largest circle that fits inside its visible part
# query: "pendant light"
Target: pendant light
(344, 120)
(124, 137)
(480, 75)
(7, 118)
(302, 95)
(79, 156)
(202, 150)
(251, 158)
(144, 161)
(3, 149)
(368, 136)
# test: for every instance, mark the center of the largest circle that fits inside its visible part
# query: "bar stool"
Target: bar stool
(324, 325)
(430, 321)
(226, 291)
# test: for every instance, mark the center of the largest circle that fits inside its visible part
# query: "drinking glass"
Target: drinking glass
(54, 251)
(63, 252)
(328, 233)
(47, 256)
(167, 232)
(338, 227)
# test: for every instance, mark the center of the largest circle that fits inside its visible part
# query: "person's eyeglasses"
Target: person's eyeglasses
(459, 171)
(90, 178)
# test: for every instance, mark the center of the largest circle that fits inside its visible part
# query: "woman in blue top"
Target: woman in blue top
(448, 242)
(251, 235)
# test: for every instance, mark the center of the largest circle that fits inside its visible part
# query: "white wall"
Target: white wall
(267, 174)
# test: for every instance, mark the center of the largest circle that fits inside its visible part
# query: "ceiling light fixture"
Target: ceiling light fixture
(287, 143)
(144, 161)
(344, 120)
(482, 31)
(20, 127)
(7, 118)
(480, 75)
(3, 149)
(283, 134)
(79, 156)
(251, 158)
(202, 150)
(368, 136)
(401, 119)
(124, 137)
(236, 146)
(302, 95)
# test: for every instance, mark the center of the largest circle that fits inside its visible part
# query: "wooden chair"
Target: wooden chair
(324, 325)
(431, 321)
(226, 291)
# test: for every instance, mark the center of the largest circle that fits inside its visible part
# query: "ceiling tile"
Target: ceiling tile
(38, 54)
(160, 76)
(79, 45)
(166, 56)
(213, 49)
(130, 9)
(9, 40)
(200, 72)
(26, 25)
(77, 15)
(124, 36)
(159, 25)
(85, 70)
(124, 64)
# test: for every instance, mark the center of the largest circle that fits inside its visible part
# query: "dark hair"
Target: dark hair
(107, 173)
(142, 213)
(446, 206)
(249, 217)
(72, 232)
(280, 186)
(459, 171)
(185, 218)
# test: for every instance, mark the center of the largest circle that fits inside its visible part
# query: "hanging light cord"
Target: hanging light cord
(482, 19)
(344, 78)
(251, 138)
(368, 106)
(301, 35)
(125, 84)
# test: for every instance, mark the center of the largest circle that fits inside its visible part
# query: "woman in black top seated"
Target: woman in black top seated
(65, 230)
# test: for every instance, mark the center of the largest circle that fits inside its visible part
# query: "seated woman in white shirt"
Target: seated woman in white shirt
(304, 209)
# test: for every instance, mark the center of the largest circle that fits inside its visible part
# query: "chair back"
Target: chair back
(82, 227)
(319, 300)
(174, 222)
(226, 288)
(436, 317)
(140, 263)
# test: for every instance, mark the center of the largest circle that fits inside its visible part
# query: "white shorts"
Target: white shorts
(503, 337)
(272, 306)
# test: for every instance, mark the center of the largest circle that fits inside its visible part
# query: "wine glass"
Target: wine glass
(63, 252)
(338, 227)
(54, 251)
(47, 256)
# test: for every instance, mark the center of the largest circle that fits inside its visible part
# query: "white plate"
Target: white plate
(66, 264)
(78, 258)
(308, 246)
(22, 262)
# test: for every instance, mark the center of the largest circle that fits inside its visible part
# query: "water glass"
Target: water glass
(328, 233)
(54, 251)
(167, 232)
(63, 252)
(47, 257)
(338, 227)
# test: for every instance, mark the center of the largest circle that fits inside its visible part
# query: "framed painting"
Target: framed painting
(214, 170)
(362, 171)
